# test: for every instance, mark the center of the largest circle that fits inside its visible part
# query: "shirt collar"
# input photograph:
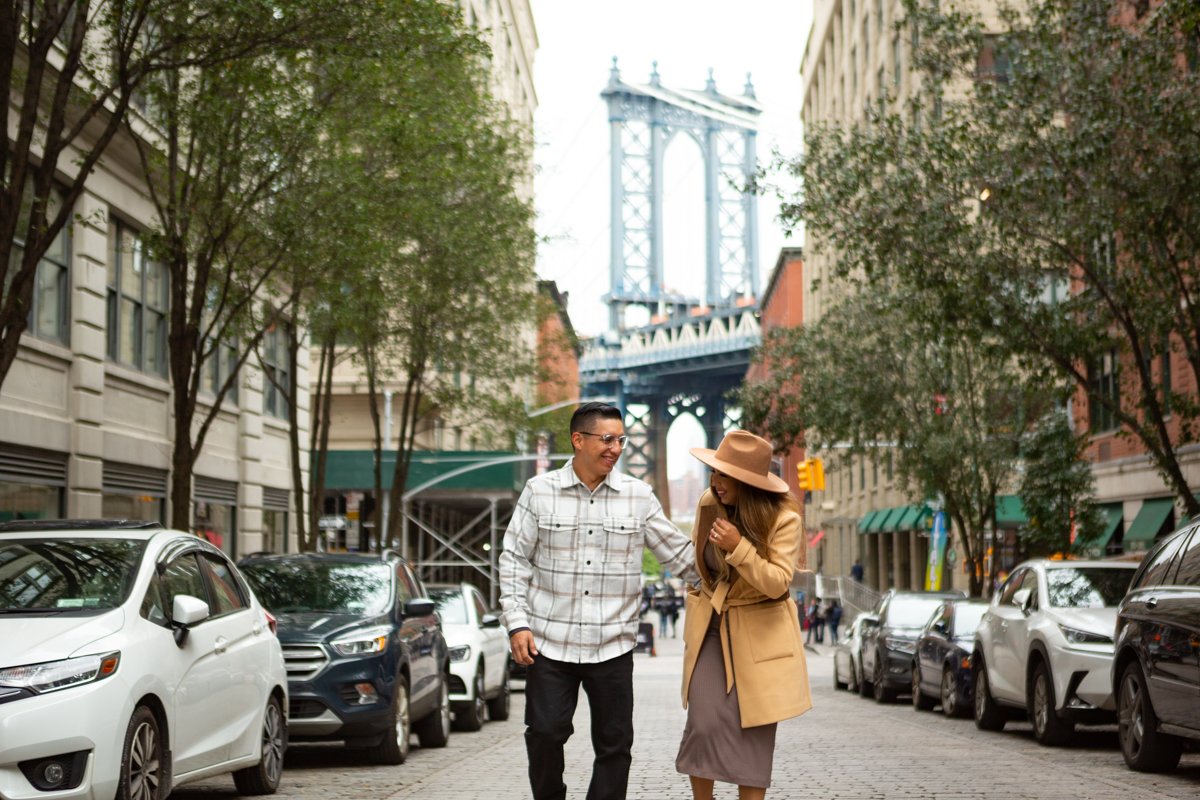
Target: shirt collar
(569, 478)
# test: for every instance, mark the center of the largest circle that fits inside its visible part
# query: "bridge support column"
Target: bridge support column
(660, 421)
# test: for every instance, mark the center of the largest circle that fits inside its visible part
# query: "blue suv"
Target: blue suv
(366, 660)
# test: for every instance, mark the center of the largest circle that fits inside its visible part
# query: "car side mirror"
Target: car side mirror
(489, 621)
(419, 607)
(185, 612)
(1021, 599)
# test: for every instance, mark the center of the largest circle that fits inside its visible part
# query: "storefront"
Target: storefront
(214, 512)
(275, 519)
(33, 483)
(134, 492)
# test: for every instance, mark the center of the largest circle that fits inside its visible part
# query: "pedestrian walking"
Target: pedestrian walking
(856, 570)
(570, 575)
(744, 667)
(833, 618)
(816, 622)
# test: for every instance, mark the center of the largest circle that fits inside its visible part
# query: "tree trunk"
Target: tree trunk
(320, 434)
(369, 356)
(293, 396)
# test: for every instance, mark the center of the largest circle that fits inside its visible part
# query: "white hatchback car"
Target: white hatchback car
(132, 659)
(1045, 646)
(478, 655)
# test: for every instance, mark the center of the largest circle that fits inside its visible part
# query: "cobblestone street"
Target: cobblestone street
(846, 747)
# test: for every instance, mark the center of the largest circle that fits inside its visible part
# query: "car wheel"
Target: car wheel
(950, 705)
(434, 730)
(838, 683)
(264, 777)
(393, 749)
(1144, 747)
(470, 716)
(920, 700)
(498, 706)
(853, 682)
(988, 715)
(1048, 727)
(143, 763)
(865, 688)
(879, 682)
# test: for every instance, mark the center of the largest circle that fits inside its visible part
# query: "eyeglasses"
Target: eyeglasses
(607, 439)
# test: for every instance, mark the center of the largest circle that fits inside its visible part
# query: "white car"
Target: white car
(132, 659)
(478, 655)
(1045, 646)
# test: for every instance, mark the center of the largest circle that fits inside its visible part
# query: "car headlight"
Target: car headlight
(54, 675)
(1076, 636)
(362, 643)
(900, 645)
(460, 653)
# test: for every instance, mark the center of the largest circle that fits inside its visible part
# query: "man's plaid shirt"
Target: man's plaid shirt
(571, 566)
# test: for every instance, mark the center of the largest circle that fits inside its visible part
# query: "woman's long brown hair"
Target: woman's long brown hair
(754, 516)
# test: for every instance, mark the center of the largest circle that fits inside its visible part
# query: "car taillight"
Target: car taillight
(271, 623)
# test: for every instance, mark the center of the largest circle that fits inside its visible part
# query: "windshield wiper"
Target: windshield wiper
(34, 610)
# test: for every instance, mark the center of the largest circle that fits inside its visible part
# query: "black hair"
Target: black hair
(587, 413)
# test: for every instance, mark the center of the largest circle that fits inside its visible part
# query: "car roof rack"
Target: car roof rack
(17, 525)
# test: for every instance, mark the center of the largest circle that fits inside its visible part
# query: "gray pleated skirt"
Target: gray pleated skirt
(715, 745)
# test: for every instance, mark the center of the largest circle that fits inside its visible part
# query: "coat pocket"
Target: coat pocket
(770, 632)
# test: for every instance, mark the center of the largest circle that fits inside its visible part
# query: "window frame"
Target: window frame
(274, 360)
(61, 278)
(116, 295)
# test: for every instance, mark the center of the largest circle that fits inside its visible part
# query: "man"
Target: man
(856, 570)
(570, 586)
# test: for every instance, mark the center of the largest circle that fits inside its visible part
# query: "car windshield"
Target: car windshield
(967, 617)
(327, 587)
(1087, 587)
(40, 576)
(911, 612)
(451, 604)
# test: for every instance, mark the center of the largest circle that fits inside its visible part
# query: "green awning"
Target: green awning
(1010, 512)
(1148, 522)
(353, 470)
(892, 520)
(864, 524)
(877, 523)
(1114, 515)
(908, 519)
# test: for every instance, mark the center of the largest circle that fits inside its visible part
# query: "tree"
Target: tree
(882, 376)
(1050, 195)
(435, 281)
(1057, 487)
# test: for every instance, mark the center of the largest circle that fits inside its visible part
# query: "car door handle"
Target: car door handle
(220, 644)
(1151, 602)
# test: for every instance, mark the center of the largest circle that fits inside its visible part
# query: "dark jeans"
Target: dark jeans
(551, 694)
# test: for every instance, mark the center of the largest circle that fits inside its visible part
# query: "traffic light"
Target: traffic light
(810, 475)
(803, 476)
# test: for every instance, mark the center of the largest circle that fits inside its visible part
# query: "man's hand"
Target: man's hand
(523, 648)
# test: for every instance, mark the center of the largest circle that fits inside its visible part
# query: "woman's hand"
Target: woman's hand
(724, 534)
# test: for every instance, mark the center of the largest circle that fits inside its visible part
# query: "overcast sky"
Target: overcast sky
(687, 38)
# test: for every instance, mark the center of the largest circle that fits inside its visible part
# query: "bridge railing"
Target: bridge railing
(687, 337)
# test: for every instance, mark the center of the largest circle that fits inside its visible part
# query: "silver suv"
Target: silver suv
(1045, 647)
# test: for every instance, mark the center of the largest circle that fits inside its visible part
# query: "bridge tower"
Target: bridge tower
(697, 345)
(643, 119)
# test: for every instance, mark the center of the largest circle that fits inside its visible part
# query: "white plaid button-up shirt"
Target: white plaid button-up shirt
(571, 566)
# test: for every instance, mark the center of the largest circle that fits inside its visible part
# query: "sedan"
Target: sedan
(942, 663)
(847, 658)
(478, 656)
(134, 659)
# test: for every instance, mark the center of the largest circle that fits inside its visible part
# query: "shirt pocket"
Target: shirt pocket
(623, 540)
(558, 534)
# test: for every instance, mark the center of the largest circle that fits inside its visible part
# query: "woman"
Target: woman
(743, 664)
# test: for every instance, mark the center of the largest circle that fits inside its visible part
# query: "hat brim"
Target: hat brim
(768, 483)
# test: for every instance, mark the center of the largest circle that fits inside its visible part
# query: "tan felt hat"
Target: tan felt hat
(745, 457)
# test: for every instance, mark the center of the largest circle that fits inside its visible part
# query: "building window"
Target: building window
(277, 368)
(896, 65)
(1104, 383)
(48, 313)
(994, 61)
(137, 303)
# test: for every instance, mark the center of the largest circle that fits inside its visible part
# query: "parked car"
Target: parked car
(1045, 647)
(941, 671)
(847, 657)
(117, 643)
(888, 647)
(478, 656)
(1156, 668)
(367, 663)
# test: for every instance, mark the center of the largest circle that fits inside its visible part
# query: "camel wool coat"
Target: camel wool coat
(760, 629)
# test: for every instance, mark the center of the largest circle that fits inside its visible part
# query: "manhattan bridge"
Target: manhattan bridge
(696, 347)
